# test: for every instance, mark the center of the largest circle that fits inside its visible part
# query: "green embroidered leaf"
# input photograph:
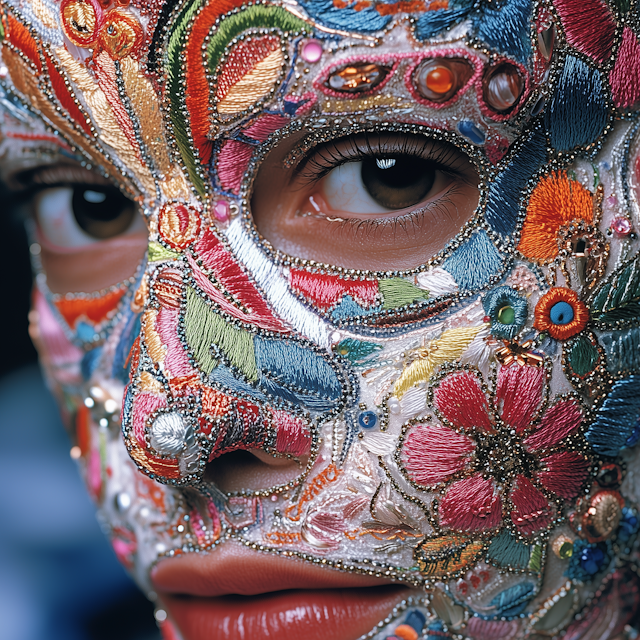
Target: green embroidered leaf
(177, 110)
(398, 292)
(356, 350)
(506, 551)
(205, 328)
(630, 313)
(582, 356)
(622, 349)
(253, 17)
(618, 297)
(535, 563)
(622, 5)
(158, 252)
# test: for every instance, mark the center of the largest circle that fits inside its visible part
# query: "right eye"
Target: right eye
(375, 185)
(81, 214)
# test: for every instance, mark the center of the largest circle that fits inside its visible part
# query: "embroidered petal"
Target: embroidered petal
(532, 511)
(565, 473)
(558, 422)
(471, 505)
(463, 402)
(433, 453)
(520, 391)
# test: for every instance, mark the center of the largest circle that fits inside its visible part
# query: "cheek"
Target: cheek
(60, 358)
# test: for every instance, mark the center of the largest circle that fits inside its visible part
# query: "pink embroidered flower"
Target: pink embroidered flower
(498, 457)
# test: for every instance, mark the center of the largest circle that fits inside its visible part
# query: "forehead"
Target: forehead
(192, 72)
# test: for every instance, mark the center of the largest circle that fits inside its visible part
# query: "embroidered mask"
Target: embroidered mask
(348, 287)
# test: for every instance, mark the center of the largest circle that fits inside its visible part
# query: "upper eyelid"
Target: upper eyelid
(63, 174)
(436, 152)
(50, 176)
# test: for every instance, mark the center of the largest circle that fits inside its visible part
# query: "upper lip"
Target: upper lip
(232, 568)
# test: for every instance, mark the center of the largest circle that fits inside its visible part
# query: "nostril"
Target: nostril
(253, 470)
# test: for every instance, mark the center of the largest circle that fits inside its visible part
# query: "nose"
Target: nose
(220, 390)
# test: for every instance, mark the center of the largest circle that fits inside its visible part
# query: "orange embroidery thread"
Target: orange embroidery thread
(94, 309)
(315, 486)
(554, 203)
(283, 537)
(543, 315)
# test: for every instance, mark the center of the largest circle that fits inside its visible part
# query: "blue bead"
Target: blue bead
(469, 130)
(416, 620)
(367, 419)
(561, 313)
(592, 559)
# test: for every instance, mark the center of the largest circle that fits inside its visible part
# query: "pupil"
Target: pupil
(102, 211)
(398, 181)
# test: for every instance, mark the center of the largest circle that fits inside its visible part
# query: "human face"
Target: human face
(340, 304)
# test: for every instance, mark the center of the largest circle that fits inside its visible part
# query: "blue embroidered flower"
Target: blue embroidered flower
(507, 311)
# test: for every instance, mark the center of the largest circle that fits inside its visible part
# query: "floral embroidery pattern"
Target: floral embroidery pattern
(561, 313)
(498, 455)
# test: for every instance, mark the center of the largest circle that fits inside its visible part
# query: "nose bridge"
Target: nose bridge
(214, 370)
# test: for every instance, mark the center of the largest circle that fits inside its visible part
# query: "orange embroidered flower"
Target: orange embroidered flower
(561, 313)
(554, 203)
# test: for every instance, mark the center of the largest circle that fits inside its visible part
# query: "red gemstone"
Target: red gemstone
(621, 226)
(221, 211)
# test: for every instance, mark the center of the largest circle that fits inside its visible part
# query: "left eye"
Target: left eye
(82, 214)
(379, 184)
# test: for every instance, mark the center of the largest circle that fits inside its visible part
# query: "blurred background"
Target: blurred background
(59, 578)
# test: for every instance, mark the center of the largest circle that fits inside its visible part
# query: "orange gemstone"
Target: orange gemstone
(406, 632)
(440, 80)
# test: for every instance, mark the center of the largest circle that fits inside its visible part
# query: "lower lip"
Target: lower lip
(318, 614)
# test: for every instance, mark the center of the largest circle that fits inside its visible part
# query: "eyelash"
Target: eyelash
(314, 165)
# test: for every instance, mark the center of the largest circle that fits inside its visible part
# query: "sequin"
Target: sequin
(546, 40)
(368, 419)
(602, 516)
(506, 315)
(221, 211)
(470, 131)
(563, 547)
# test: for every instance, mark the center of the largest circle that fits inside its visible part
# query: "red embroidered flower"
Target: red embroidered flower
(498, 457)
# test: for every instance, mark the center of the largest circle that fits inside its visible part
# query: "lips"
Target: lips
(236, 593)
